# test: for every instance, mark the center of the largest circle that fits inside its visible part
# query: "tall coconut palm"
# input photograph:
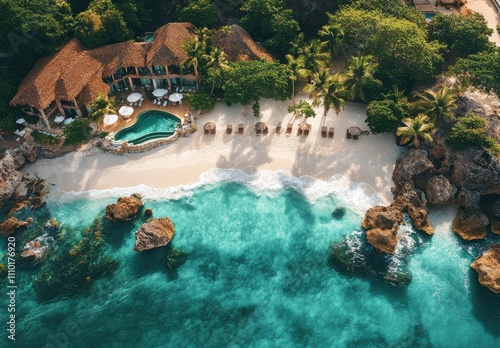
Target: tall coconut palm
(334, 35)
(100, 106)
(359, 75)
(416, 129)
(196, 53)
(296, 70)
(438, 105)
(328, 90)
(315, 56)
(216, 62)
(205, 36)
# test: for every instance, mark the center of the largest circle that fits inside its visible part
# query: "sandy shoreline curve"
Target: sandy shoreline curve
(370, 159)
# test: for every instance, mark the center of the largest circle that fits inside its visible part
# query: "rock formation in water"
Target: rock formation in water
(488, 268)
(381, 224)
(125, 209)
(10, 225)
(153, 234)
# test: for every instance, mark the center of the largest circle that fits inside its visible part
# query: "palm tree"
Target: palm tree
(327, 89)
(297, 70)
(399, 97)
(415, 129)
(359, 75)
(315, 56)
(334, 35)
(101, 106)
(205, 36)
(438, 105)
(196, 52)
(216, 62)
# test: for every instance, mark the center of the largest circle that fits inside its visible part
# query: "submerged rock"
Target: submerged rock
(381, 224)
(34, 249)
(488, 268)
(470, 224)
(10, 225)
(153, 234)
(125, 209)
(148, 212)
(338, 213)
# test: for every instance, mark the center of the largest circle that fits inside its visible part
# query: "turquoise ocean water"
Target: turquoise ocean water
(256, 274)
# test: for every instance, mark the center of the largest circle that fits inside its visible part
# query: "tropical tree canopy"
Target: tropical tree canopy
(302, 109)
(199, 12)
(359, 76)
(462, 34)
(438, 105)
(470, 131)
(415, 130)
(384, 116)
(101, 106)
(481, 71)
(77, 132)
(327, 89)
(247, 82)
(334, 36)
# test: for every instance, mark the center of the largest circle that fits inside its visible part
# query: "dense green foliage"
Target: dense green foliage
(415, 129)
(481, 71)
(200, 101)
(268, 22)
(439, 105)
(384, 116)
(201, 13)
(302, 109)
(77, 132)
(359, 79)
(394, 8)
(327, 89)
(462, 34)
(247, 82)
(470, 131)
(398, 45)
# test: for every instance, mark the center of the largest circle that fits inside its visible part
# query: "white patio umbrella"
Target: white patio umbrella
(132, 98)
(176, 97)
(110, 119)
(126, 111)
(160, 92)
(68, 120)
(59, 119)
(20, 121)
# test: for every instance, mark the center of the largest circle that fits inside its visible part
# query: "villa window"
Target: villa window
(144, 71)
(131, 71)
(188, 70)
(119, 73)
(159, 70)
(174, 70)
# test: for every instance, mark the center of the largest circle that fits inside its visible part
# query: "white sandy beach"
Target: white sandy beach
(370, 159)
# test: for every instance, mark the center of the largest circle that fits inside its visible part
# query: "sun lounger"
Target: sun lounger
(348, 134)
(289, 129)
(355, 137)
(240, 128)
(306, 132)
(265, 130)
(278, 127)
(331, 132)
(323, 131)
(212, 131)
(207, 131)
(229, 129)
(299, 132)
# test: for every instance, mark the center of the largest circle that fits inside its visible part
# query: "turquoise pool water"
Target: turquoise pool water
(150, 125)
(256, 274)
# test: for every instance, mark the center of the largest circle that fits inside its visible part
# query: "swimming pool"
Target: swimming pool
(150, 125)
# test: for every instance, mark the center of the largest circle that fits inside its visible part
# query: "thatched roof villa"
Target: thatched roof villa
(67, 81)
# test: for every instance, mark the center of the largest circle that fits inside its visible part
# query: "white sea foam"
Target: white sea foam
(356, 196)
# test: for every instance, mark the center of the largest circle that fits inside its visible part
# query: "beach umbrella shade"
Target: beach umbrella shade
(20, 121)
(209, 126)
(126, 111)
(132, 98)
(176, 97)
(304, 126)
(160, 92)
(68, 120)
(355, 130)
(59, 119)
(110, 119)
(260, 126)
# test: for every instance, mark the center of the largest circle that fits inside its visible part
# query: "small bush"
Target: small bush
(470, 131)
(200, 101)
(77, 132)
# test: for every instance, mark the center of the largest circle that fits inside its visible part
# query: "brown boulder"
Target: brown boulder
(33, 249)
(148, 212)
(382, 225)
(470, 224)
(408, 199)
(420, 219)
(409, 164)
(10, 225)
(125, 209)
(494, 224)
(153, 234)
(439, 191)
(488, 268)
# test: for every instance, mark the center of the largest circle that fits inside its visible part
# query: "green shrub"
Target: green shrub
(200, 101)
(44, 139)
(470, 131)
(384, 116)
(77, 132)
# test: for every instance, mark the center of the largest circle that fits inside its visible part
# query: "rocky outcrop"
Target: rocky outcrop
(440, 191)
(488, 268)
(470, 224)
(411, 163)
(148, 212)
(33, 250)
(153, 234)
(125, 209)
(381, 224)
(10, 225)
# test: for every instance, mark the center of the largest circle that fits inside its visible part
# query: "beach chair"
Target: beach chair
(165, 103)
(348, 134)
(229, 129)
(323, 131)
(258, 131)
(299, 132)
(207, 131)
(240, 128)
(278, 127)
(140, 103)
(213, 131)
(265, 130)
(154, 102)
(365, 132)
(289, 129)
(130, 104)
(331, 132)
(355, 137)
(306, 132)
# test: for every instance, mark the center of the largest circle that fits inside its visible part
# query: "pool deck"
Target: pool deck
(177, 110)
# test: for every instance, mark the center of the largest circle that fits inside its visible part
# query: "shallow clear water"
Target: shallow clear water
(256, 275)
(149, 123)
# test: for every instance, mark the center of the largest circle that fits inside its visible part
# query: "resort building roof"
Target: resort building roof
(238, 45)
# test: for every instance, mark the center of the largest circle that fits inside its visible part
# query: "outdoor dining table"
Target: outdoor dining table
(132, 98)
(175, 97)
(354, 130)
(160, 92)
